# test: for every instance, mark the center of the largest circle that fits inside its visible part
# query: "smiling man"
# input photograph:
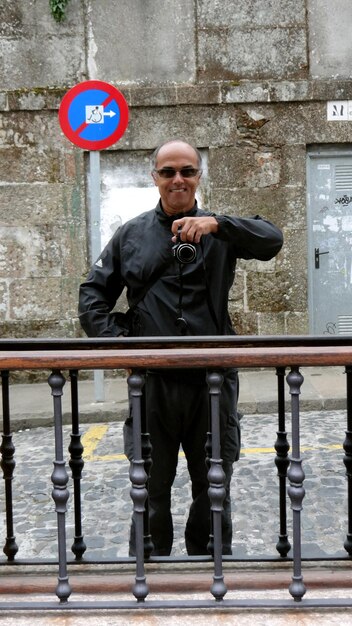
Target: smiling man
(178, 265)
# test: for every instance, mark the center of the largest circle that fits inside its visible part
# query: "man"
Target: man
(178, 264)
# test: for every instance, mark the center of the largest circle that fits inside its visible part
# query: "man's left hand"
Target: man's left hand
(192, 228)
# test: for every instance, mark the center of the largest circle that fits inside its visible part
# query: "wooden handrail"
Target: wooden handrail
(177, 357)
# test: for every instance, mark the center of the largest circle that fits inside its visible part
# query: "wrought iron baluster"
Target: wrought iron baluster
(59, 479)
(216, 477)
(347, 446)
(208, 455)
(282, 447)
(138, 479)
(296, 490)
(76, 464)
(8, 465)
(147, 458)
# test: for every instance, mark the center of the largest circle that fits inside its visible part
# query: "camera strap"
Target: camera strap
(180, 321)
(149, 284)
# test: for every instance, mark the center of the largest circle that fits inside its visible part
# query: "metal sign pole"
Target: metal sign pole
(94, 115)
(95, 240)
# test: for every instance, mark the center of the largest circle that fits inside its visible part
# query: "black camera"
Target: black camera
(184, 252)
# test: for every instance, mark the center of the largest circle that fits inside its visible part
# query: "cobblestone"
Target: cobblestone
(107, 506)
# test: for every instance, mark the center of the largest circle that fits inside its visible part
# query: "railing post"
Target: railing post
(282, 447)
(59, 479)
(296, 490)
(76, 464)
(347, 446)
(138, 479)
(216, 477)
(8, 465)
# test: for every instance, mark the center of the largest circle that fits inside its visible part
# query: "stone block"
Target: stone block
(28, 166)
(268, 292)
(153, 96)
(271, 324)
(297, 323)
(4, 300)
(239, 92)
(13, 252)
(198, 94)
(33, 129)
(237, 291)
(304, 124)
(294, 253)
(330, 43)
(294, 165)
(265, 53)
(40, 203)
(280, 205)
(35, 299)
(35, 47)
(35, 99)
(153, 42)
(245, 166)
(202, 125)
(250, 13)
(244, 322)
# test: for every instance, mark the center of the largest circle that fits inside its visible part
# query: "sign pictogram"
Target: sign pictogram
(93, 115)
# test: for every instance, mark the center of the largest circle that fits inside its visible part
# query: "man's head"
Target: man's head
(176, 172)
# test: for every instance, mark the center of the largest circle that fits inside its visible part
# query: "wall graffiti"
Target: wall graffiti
(344, 200)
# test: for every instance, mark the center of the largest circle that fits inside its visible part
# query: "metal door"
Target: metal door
(329, 186)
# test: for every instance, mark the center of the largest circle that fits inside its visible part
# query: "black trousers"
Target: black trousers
(177, 408)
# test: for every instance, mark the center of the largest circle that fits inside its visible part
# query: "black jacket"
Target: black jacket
(140, 254)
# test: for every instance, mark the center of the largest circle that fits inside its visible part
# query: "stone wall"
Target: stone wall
(247, 82)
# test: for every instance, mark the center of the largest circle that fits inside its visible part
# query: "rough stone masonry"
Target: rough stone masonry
(247, 82)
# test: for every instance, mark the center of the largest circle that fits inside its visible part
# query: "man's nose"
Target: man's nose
(178, 176)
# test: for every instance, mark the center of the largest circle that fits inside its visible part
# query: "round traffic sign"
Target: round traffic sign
(93, 115)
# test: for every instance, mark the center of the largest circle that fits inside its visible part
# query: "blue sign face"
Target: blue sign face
(91, 111)
(93, 115)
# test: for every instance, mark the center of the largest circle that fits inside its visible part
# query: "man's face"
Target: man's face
(178, 192)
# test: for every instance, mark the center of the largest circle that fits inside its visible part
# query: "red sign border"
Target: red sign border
(87, 144)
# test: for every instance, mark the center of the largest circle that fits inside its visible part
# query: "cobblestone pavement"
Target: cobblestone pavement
(106, 503)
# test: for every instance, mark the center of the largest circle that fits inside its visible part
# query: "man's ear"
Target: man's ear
(153, 175)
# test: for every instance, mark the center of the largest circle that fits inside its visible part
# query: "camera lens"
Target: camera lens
(185, 253)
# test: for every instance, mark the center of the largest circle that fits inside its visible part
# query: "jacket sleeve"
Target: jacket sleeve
(252, 238)
(99, 292)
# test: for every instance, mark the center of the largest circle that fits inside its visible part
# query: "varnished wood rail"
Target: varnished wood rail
(178, 357)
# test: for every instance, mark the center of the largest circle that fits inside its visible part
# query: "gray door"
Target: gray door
(329, 186)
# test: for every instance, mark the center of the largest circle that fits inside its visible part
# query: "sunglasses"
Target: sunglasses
(170, 172)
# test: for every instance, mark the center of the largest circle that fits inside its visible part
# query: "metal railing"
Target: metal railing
(285, 354)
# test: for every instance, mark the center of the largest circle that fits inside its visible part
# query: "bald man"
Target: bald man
(178, 265)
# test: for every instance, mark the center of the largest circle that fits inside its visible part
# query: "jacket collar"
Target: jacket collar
(170, 218)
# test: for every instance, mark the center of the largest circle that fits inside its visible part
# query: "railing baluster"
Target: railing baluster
(76, 464)
(282, 447)
(59, 479)
(147, 458)
(216, 477)
(208, 449)
(296, 490)
(138, 479)
(347, 446)
(8, 465)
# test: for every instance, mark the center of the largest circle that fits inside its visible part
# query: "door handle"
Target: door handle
(317, 256)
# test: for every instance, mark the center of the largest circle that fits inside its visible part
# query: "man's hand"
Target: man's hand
(192, 228)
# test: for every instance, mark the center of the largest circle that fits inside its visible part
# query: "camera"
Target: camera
(184, 252)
